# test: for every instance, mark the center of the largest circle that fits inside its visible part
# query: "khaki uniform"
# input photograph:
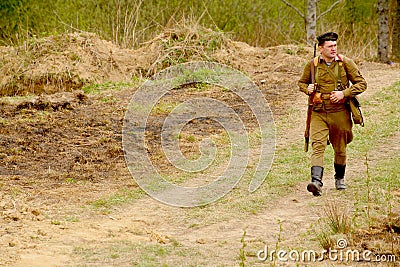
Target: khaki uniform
(332, 121)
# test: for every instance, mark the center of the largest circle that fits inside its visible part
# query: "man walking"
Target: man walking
(337, 79)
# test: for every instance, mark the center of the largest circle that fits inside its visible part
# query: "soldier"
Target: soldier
(337, 79)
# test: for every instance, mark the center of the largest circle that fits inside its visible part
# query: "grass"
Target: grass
(98, 88)
(337, 218)
(378, 132)
(164, 107)
(373, 185)
(119, 198)
(200, 78)
(132, 253)
(335, 223)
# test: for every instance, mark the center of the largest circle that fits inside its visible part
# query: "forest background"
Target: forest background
(130, 23)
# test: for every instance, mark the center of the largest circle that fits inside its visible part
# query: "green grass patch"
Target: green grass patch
(165, 107)
(121, 197)
(382, 120)
(200, 76)
(372, 186)
(129, 253)
(98, 88)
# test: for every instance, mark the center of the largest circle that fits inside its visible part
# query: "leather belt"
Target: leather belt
(325, 96)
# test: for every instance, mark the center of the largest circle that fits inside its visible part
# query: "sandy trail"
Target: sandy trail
(284, 221)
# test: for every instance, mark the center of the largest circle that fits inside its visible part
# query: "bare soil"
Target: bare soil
(61, 152)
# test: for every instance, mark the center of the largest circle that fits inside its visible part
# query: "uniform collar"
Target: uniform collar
(337, 58)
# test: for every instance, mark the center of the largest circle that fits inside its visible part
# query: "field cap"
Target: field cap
(328, 36)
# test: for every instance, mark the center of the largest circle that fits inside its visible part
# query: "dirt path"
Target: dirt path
(109, 239)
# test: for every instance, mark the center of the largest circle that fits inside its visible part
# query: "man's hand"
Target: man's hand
(336, 96)
(311, 87)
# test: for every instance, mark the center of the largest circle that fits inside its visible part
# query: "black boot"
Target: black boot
(315, 187)
(339, 176)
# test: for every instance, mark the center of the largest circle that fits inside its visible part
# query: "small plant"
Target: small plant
(335, 222)
(279, 239)
(191, 138)
(325, 239)
(291, 51)
(71, 180)
(242, 252)
(338, 221)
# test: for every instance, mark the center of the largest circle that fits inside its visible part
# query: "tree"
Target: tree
(310, 20)
(396, 33)
(383, 30)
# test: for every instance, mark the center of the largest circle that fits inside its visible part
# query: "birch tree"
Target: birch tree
(383, 30)
(311, 18)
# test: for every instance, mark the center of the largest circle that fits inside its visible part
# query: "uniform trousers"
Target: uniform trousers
(333, 126)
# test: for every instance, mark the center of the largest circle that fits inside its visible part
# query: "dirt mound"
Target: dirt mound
(63, 63)
(70, 61)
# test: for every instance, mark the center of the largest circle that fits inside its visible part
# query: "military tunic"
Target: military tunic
(332, 121)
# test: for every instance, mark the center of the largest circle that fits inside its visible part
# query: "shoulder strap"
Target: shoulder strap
(314, 69)
(316, 59)
(339, 70)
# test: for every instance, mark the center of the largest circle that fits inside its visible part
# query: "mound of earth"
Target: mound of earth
(68, 62)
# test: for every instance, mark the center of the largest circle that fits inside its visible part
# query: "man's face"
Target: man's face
(328, 49)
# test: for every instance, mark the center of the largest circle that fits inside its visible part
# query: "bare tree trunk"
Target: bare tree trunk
(396, 33)
(311, 19)
(311, 22)
(383, 30)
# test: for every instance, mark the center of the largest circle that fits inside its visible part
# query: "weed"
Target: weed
(338, 221)
(242, 251)
(324, 238)
(191, 138)
(71, 180)
(278, 240)
(290, 51)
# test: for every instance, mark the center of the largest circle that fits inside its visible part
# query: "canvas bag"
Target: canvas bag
(355, 110)
(354, 104)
